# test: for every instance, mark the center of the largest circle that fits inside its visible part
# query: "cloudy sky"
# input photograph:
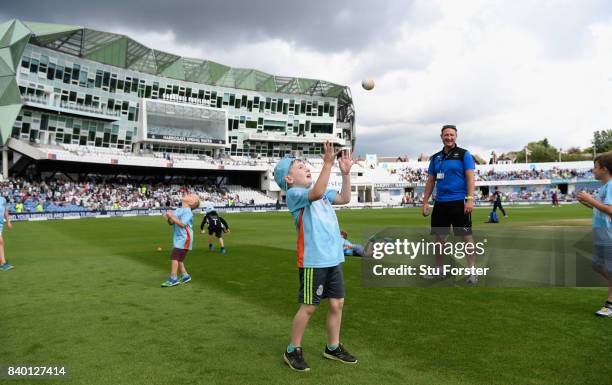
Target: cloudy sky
(505, 72)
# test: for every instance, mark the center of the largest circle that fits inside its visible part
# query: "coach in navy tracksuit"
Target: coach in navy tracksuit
(451, 171)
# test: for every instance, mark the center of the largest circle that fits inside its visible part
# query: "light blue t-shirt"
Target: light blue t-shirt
(2, 209)
(602, 222)
(319, 243)
(183, 237)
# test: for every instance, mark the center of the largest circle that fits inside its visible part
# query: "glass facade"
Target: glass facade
(75, 100)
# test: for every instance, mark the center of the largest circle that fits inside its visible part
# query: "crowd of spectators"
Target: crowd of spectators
(419, 175)
(554, 173)
(65, 195)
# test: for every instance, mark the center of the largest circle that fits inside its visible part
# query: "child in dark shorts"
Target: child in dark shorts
(182, 221)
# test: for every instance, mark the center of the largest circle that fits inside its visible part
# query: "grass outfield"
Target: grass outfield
(86, 293)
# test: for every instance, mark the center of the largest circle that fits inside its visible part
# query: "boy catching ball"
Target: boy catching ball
(182, 220)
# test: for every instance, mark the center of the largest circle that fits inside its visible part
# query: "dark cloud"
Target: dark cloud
(321, 25)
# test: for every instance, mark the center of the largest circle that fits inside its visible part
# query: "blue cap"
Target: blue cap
(281, 170)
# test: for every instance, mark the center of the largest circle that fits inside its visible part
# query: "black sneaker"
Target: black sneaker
(295, 360)
(340, 354)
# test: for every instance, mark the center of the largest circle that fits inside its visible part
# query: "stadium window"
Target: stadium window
(134, 85)
(88, 100)
(332, 110)
(51, 71)
(251, 124)
(98, 82)
(237, 103)
(279, 105)
(106, 79)
(42, 67)
(25, 128)
(76, 69)
(326, 108)
(244, 101)
(34, 65)
(125, 105)
(113, 84)
(111, 104)
(323, 128)
(25, 62)
(273, 110)
(249, 105)
(236, 122)
(73, 96)
(67, 74)
(302, 107)
(285, 108)
(267, 106)
(59, 72)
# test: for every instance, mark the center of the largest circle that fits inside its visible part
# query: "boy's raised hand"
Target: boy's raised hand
(345, 162)
(329, 155)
